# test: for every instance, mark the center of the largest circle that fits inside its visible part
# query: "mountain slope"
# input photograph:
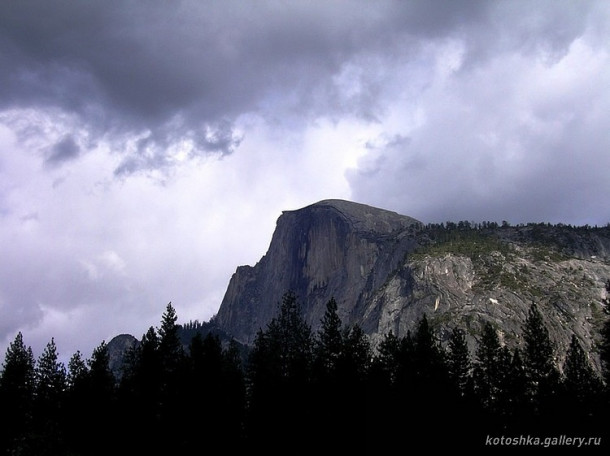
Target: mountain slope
(387, 270)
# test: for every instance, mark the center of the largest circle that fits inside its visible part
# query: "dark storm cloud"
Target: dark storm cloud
(162, 70)
(147, 69)
(140, 65)
(150, 60)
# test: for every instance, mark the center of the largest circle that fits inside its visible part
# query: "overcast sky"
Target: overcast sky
(147, 148)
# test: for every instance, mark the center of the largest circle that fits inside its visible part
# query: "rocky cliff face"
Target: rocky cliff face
(332, 248)
(387, 270)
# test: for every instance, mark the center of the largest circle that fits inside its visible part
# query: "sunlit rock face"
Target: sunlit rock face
(452, 290)
(387, 270)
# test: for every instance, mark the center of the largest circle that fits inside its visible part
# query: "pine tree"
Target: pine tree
(406, 372)
(170, 347)
(489, 368)
(460, 396)
(428, 357)
(579, 377)
(422, 365)
(144, 365)
(504, 406)
(141, 372)
(139, 394)
(100, 397)
(203, 389)
(329, 390)
(355, 355)
(292, 340)
(51, 381)
(539, 352)
(385, 394)
(515, 387)
(77, 405)
(77, 371)
(385, 361)
(352, 369)
(297, 337)
(329, 341)
(458, 361)
(50, 375)
(173, 371)
(279, 375)
(262, 368)
(581, 384)
(17, 385)
(100, 376)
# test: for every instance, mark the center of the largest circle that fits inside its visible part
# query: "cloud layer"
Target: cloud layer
(147, 148)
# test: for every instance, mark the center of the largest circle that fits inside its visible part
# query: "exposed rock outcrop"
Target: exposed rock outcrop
(117, 348)
(387, 270)
(333, 248)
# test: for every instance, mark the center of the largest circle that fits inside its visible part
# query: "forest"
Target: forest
(299, 390)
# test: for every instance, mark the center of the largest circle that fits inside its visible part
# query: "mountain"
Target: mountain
(332, 248)
(387, 270)
(117, 348)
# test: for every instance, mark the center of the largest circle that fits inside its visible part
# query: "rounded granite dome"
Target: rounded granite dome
(364, 217)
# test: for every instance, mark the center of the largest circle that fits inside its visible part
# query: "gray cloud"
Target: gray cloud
(152, 151)
(65, 150)
(441, 110)
(516, 137)
(167, 70)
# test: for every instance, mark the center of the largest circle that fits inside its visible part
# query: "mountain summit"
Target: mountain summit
(387, 270)
(363, 217)
(333, 248)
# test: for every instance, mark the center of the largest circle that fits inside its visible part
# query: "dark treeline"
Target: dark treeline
(466, 225)
(300, 390)
(559, 236)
